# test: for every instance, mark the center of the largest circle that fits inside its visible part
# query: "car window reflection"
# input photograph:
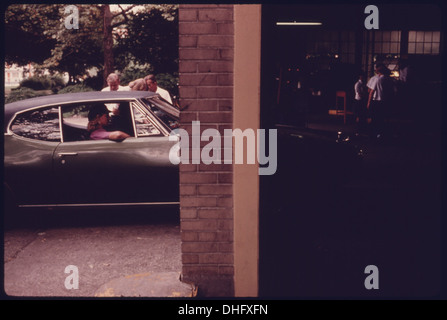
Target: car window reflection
(42, 124)
(160, 108)
(144, 125)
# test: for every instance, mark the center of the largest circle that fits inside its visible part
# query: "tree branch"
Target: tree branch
(119, 24)
(123, 11)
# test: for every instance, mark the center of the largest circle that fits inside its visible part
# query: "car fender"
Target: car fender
(10, 197)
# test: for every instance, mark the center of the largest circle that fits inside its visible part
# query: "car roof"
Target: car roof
(17, 106)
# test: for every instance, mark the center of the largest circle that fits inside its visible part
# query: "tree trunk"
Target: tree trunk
(108, 43)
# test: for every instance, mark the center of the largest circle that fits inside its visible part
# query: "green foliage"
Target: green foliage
(134, 71)
(26, 36)
(36, 83)
(95, 83)
(35, 33)
(24, 93)
(43, 83)
(57, 81)
(80, 87)
(152, 38)
(169, 82)
(77, 50)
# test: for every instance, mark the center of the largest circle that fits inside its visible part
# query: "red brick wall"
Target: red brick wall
(206, 43)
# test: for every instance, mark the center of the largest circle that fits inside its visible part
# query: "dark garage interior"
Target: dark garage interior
(325, 217)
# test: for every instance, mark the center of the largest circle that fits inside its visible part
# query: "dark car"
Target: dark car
(50, 160)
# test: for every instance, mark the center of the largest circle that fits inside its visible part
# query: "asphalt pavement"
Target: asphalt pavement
(95, 254)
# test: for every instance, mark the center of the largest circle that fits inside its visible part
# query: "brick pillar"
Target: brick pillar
(206, 50)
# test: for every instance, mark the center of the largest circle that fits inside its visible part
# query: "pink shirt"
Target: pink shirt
(99, 134)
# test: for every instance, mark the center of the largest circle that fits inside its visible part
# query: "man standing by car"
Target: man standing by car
(152, 85)
(113, 84)
(381, 90)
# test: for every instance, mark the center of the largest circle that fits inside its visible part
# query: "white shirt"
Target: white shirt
(372, 84)
(164, 94)
(120, 88)
(382, 86)
(360, 90)
(113, 106)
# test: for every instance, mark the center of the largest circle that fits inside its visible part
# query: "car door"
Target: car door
(102, 172)
(29, 146)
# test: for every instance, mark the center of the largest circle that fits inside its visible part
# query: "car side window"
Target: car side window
(41, 124)
(155, 105)
(74, 122)
(144, 125)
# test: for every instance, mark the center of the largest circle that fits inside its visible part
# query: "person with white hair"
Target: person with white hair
(113, 84)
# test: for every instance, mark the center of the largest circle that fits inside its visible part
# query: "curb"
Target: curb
(150, 284)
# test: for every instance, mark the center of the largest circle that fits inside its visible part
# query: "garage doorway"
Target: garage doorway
(318, 235)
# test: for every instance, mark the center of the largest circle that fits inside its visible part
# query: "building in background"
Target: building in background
(313, 52)
(14, 74)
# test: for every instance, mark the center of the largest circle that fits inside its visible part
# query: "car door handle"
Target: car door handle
(67, 154)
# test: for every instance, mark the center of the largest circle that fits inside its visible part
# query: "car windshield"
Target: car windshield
(164, 111)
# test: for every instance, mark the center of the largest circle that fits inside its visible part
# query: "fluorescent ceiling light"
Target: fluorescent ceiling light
(294, 23)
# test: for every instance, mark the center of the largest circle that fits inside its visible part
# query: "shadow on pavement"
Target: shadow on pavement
(92, 217)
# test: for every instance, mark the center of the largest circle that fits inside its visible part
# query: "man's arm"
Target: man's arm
(118, 135)
(372, 83)
(370, 96)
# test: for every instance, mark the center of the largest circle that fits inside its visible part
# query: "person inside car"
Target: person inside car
(121, 119)
(98, 120)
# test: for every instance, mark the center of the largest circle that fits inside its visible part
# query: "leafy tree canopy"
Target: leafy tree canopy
(152, 37)
(26, 36)
(36, 33)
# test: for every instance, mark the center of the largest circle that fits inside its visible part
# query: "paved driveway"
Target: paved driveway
(101, 246)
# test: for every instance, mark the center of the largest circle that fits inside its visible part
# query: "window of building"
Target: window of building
(424, 42)
(387, 42)
(334, 44)
(347, 46)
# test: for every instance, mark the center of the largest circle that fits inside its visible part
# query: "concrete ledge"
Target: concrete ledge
(164, 284)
